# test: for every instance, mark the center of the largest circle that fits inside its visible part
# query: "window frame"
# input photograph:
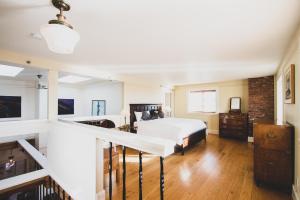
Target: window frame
(201, 90)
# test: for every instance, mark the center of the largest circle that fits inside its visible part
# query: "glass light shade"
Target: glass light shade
(60, 38)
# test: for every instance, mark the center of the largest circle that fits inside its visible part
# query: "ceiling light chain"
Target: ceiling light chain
(61, 19)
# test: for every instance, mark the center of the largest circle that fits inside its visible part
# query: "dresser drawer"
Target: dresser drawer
(274, 154)
(233, 133)
(236, 123)
(274, 167)
(233, 126)
(272, 137)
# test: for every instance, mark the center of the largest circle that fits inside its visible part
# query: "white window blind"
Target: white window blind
(202, 101)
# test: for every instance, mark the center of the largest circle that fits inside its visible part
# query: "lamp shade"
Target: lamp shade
(60, 38)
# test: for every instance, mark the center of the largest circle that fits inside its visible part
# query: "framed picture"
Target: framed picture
(235, 104)
(98, 107)
(289, 85)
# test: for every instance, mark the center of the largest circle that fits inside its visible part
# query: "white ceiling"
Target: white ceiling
(30, 74)
(164, 41)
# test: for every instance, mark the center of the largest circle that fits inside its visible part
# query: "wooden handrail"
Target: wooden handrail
(22, 187)
(21, 180)
(44, 186)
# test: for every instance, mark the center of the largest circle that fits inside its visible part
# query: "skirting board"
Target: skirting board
(250, 139)
(295, 195)
(211, 131)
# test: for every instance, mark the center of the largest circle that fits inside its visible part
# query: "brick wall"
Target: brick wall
(261, 99)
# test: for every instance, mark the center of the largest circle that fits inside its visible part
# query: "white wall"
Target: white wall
(42, 104)
(25, 89)
(34, 102)
(134, 93)
(291, 112)
(111, 92)
(72, 157)
(225, 90)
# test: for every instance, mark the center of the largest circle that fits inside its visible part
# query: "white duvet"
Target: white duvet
(175, 129)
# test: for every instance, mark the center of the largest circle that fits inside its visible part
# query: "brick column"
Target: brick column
(261, 100)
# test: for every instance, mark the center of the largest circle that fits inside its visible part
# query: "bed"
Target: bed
(185, 132)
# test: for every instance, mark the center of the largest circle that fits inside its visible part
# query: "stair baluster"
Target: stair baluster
(162, 178)
(110, 171)
(124, 173)
(140, 175)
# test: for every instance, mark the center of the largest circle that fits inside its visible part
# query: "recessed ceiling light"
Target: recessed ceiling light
(11, 71)
(73, 79)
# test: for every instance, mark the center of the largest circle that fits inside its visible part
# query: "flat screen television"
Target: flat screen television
(10, 106)
(65, 106)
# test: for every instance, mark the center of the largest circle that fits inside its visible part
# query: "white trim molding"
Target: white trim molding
(250, 139)
(295, 194)
(212, 131)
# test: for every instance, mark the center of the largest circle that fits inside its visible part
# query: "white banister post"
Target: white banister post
(100, 192)
(52, 94)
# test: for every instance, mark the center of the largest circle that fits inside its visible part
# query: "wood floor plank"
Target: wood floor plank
(219, 169)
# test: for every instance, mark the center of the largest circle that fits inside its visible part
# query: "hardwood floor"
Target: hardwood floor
(219, 169)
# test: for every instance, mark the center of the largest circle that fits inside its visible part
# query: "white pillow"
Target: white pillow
(138, 116)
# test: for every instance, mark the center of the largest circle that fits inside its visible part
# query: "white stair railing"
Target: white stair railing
(72, 147)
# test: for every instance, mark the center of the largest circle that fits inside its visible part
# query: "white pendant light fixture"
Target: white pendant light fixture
(59, 35)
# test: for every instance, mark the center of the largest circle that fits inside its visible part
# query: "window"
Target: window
(202, 101)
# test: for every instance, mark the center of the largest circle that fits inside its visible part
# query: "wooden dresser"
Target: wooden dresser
(274, 154)
(233, 125)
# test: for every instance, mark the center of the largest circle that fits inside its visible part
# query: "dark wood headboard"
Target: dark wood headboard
(141, 108)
